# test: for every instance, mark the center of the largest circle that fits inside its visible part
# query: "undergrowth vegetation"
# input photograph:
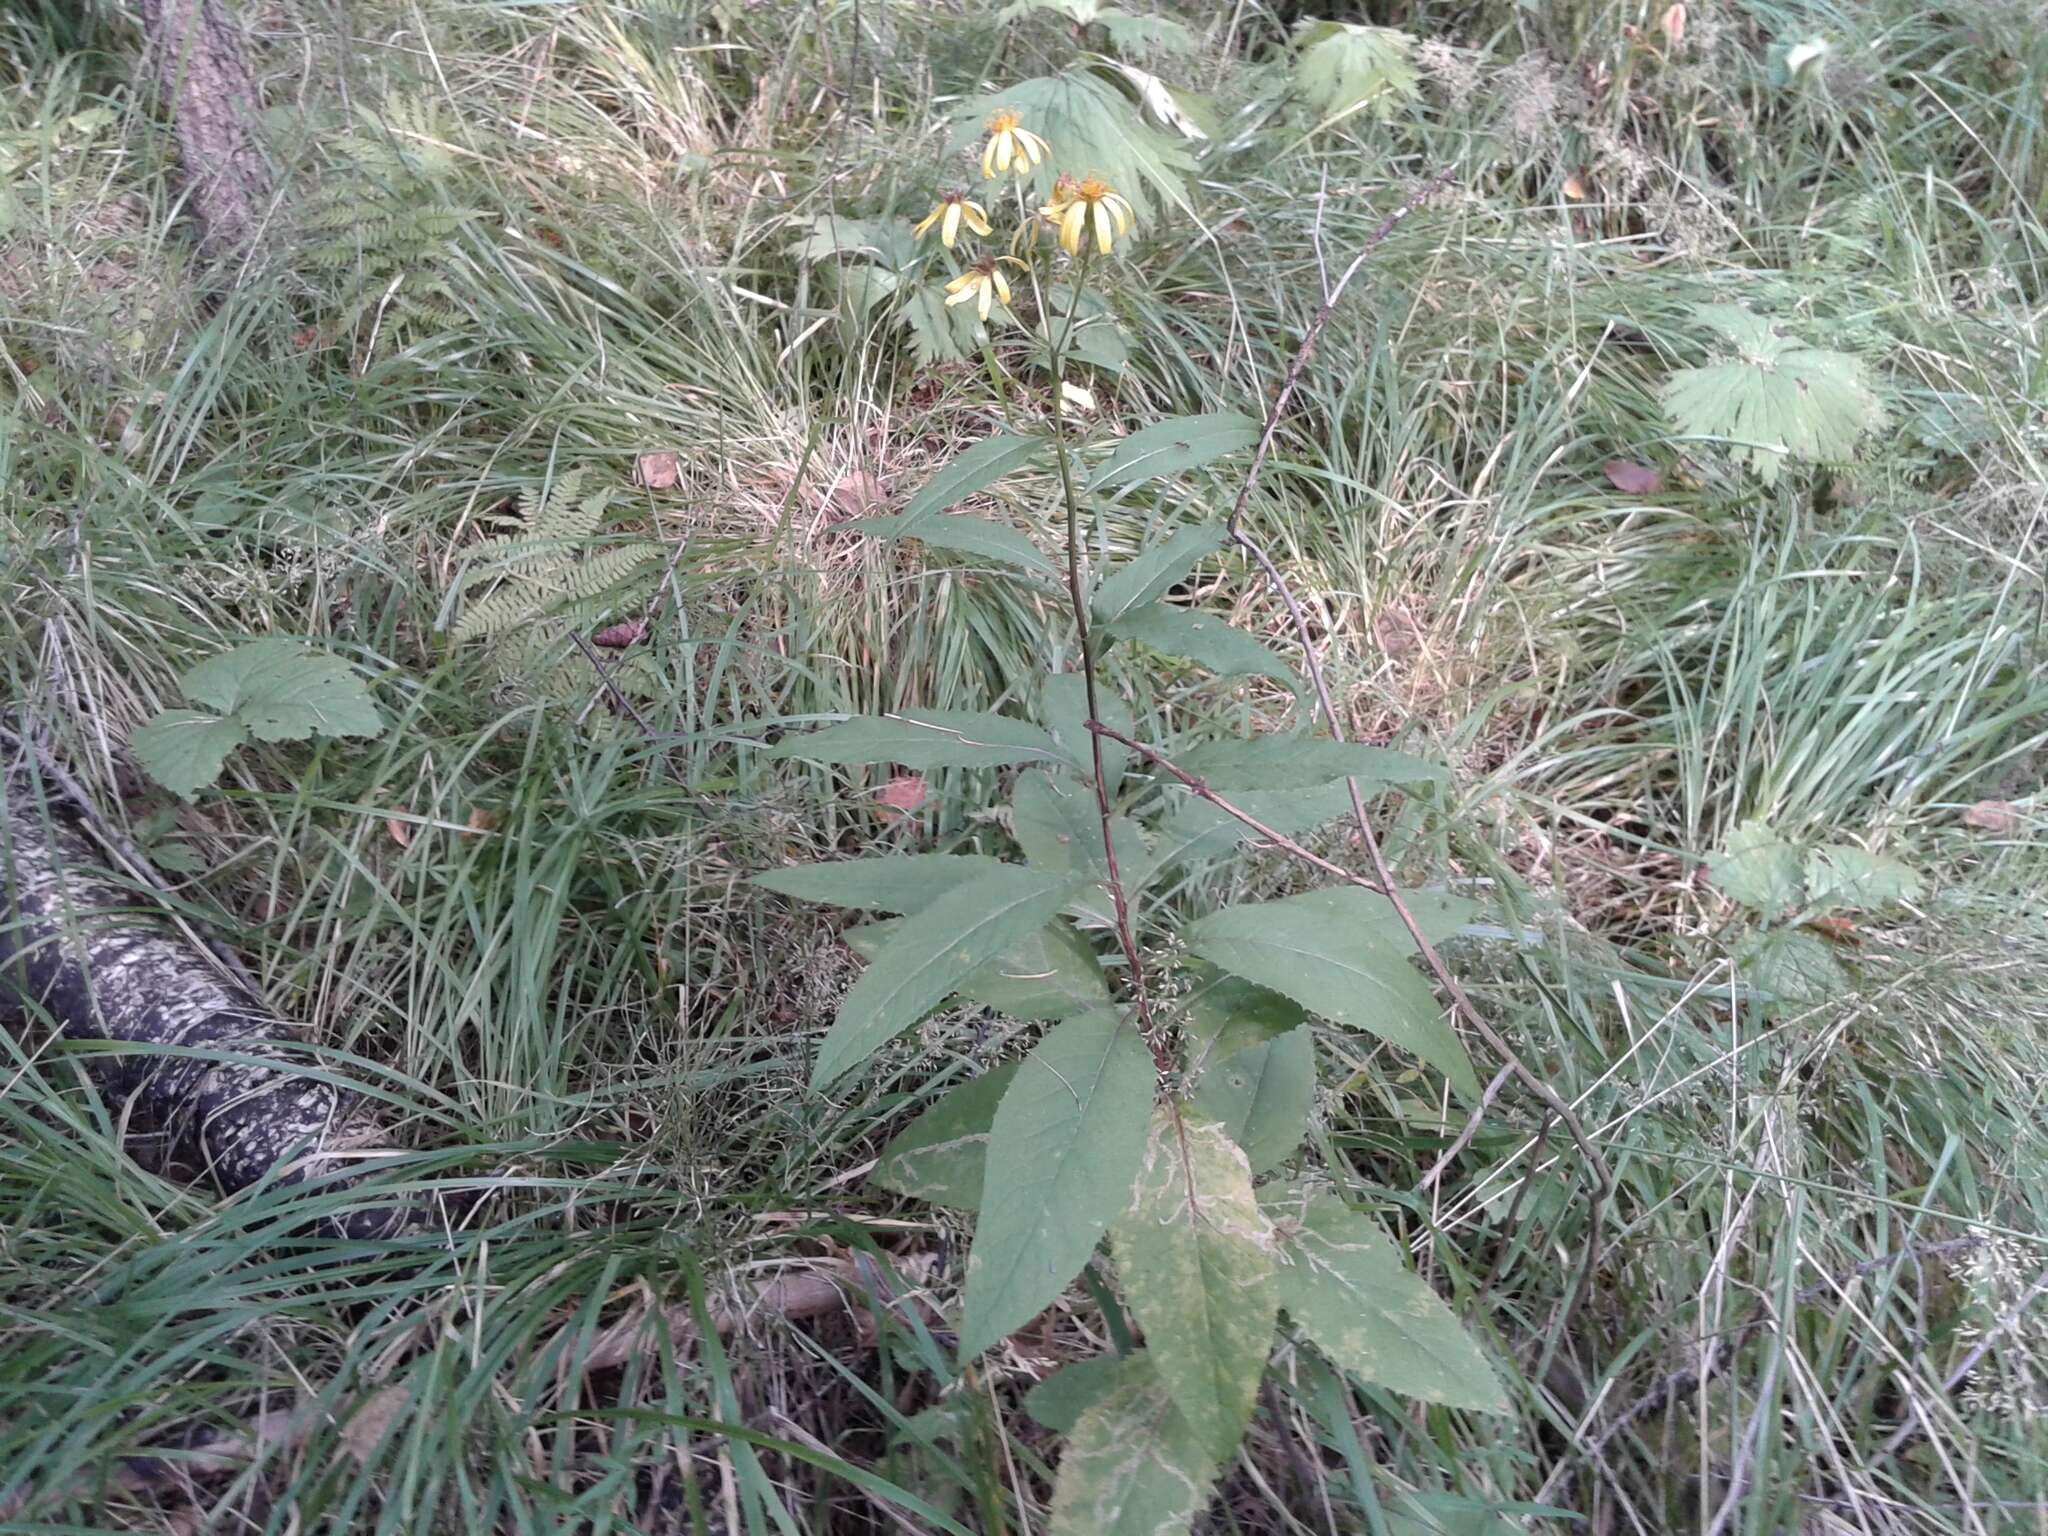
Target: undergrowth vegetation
(1662, 502)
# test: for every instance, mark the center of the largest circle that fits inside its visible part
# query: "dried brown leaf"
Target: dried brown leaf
(2000, 818)
(658, 471)
(1635, 479)
(901, 795)
(616, 637)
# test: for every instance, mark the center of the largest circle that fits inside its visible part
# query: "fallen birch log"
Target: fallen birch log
(232, 1093)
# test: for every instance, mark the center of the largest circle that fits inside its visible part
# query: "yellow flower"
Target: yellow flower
(949, 213)
(981, 284)
(1078, 206)
(1009, 145)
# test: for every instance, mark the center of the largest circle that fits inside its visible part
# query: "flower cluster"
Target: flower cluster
(1081, 212)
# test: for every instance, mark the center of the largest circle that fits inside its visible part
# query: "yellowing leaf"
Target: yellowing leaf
(1133, 1466)
(1194, 1255)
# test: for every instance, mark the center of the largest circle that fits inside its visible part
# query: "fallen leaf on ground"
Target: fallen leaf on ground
(657, 471)
(368, 1425)
(855, 494)
(1636, 479)
(401, 831)
(616, 637)
(1998, 817)
(901, 796)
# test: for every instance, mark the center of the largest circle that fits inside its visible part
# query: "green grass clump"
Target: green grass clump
(523, 247)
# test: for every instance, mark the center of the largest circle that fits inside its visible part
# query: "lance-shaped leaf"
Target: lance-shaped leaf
(1342, 952)
(940, 1155)
(1262, 1096)
(962, 531)
(1349, 1289)
(1058, 824)
(903, 882)
(1133, 1466)
(1049, 974)
(1173, 446)
(930, 738)
(1204, 638)
(1143, 577)
(930, 954)
(1293, 762)
(971, 470)
(1198, 829)
(1063, 706)
(1195, 1256)
(1062, 1153)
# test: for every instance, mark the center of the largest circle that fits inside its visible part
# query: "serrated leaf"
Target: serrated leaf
(1090, 129)
(1050, 974)
(973, 469)
(1174, 446)
(1342, 67)
(1350, 1290)
(1133, 1466)
(1226, 1014)
(929, 955)
(1777, 399)
(1063, 1150)
(1843, 875)
(184, 750)
(1792, 965)
(923, 739)
(1197, 829)
(1193, 1252)
(279, 692)
(1342, 953)
(1063, 706)
(1059, 1401)
(1058, 825)
(940, 1156)
(1205, 638)
(1759, 869)
(902, 882)
(963, 531)
(1261, 1096)
(1294, 762)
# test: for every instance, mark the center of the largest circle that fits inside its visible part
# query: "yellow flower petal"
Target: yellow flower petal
(988, 160)
(1002, 285)
(1073, 225)
(929, 220)
(974, 218)
(950, 230)
(988, 296)
(964, 296)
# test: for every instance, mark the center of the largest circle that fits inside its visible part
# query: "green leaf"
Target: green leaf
(281, 693)
(1793, 966)
(1227, 1014)
(184, 750)
(1294, 762)
(1174, 446)
(1090, 129)
(1348, 1288)
(1050, 974)
(932, 738)
(1198, 830)
(1342, 953)
(1204, 638)
(929, 955)
(1058, 825)
(963, 531)
(1063, 706)
(1759, 869)
(1776, 399)
(1342, 67)
(1064, 1147)
(903, 882)
(1059, 1401)
(1143, 577)
(1133, 1466)
(1194, 1255)
(971, 470)
(1843, 875)
(1262, 1096)
(941, 1154)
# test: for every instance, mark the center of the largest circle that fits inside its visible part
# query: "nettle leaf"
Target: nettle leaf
(1792, 965)
(1145, 576)
(1293, 762)
(1090, 129)
(1204, 638)
(184, 750)
(1174, 446)
(1062, 1152)
(941, 1154)
(1134, 1465)
(1342, 953)
(1195, 1256)
(280, 692)
(1843, 875)
(903, 882)
(929, 955)
(931, 738)
(1342, 67)
(1776, 399)
(1759, 869)
(1262, 1095)
(1348, 1287)
(1058, 825)
(1063, 706)
(1050, 974)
